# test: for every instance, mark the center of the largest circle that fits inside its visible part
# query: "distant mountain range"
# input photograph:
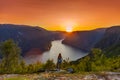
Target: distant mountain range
(110, 37)
(110, 42)
(84, 40)
(98, 38)
(36, 39)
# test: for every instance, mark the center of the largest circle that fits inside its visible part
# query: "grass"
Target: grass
(17, 78)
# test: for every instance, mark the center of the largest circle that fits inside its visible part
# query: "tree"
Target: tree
(10, 56)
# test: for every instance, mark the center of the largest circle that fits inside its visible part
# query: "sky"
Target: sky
(59, 14)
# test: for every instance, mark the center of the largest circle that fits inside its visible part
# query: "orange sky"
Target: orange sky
(58, 14)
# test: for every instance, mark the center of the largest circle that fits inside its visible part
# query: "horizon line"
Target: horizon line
(56, 30)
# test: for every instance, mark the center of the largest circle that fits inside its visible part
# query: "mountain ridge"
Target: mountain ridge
(84, 40)
(30, 37)
(27, 37)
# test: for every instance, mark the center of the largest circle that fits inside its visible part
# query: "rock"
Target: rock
(90, 77)
(70, 70)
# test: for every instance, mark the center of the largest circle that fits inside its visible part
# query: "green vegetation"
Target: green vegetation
(96, 61)
(10, 56)
(65, 64)
(50, 65)
(11, 60)
(17, 78)
(113, 50)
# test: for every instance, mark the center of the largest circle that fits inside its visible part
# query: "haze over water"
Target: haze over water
(66, 51)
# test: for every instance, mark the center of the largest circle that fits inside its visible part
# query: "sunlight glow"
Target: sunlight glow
(69, 29)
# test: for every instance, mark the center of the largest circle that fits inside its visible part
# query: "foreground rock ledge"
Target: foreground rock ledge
(64, 76)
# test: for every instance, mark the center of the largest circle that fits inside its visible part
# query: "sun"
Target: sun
(69, 29)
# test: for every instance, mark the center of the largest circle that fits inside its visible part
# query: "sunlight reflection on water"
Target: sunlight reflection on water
(66, 51)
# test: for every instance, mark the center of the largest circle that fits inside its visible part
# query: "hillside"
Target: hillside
(111, 37)
(84, 40)
(110, 42)
(28, 37)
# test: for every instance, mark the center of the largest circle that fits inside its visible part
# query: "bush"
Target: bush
(49, 65)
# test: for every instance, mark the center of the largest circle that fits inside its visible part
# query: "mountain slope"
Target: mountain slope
(84, 40)
(111, 37)
(27, 37)
(110, 43)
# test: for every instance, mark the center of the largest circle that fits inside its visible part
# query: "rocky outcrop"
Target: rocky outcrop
(64, 76)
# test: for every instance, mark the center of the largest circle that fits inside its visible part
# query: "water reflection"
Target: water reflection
(66, 51)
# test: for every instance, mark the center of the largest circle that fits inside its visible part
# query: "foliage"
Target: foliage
(11, 62)
(96, 61)
(10, 56)
(17, 78)
(32, 68)
(113, 50)
(49, 65)
(65, 63)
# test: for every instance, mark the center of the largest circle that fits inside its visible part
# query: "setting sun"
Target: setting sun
(69, 29)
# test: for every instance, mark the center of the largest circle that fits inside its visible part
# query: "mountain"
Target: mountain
(58, 35)
(33, 39)
(110, 43)
(28, 37)
(84, 40)
(111, 37)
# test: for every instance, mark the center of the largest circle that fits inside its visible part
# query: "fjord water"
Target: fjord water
(66, 51)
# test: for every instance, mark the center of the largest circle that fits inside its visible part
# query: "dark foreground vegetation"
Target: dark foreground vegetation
(96, 61)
